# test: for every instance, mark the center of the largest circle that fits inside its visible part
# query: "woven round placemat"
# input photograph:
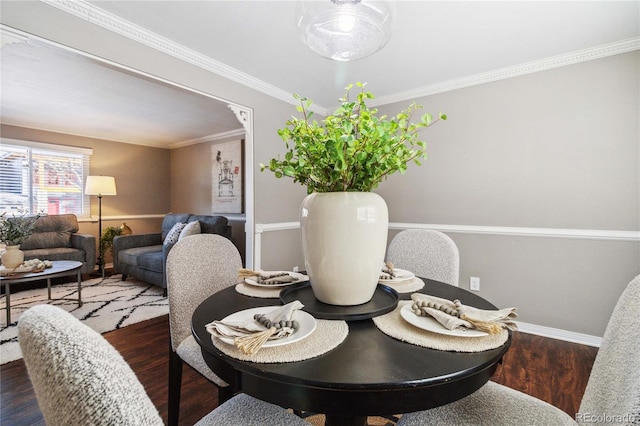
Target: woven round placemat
(327, 336)
(392, 324)
(406, 286)
(262, 292)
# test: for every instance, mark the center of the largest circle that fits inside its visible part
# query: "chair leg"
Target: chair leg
(175, 383)
(224, 394)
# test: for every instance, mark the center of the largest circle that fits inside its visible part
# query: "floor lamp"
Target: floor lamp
(99, 186)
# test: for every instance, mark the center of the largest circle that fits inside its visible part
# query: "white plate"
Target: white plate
(401, 275)
(430, 324)
(306, 321)
(299, 278)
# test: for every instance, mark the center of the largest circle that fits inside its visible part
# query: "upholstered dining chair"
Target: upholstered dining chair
(80, 379)
(613, 389)
(427, 253)
(197, 267)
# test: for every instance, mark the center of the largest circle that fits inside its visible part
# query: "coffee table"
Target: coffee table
(60, 268)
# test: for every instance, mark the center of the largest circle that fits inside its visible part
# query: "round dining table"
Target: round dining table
(368, 374)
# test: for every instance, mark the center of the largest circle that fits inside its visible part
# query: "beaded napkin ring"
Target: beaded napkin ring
(388, 270)
(489, 327)
(252, 343)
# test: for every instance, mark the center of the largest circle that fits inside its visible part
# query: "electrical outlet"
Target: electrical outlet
(295, 269)
(474, 283)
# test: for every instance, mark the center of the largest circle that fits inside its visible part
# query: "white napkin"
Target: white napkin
(448, 319)
(249, 335)
(455, 315)
(267, 278)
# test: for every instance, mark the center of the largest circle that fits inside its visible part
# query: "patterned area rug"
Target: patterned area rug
(108, 304)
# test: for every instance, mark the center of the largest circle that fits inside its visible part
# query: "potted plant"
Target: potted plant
(13, 231)
(341, 160)
(106, 243)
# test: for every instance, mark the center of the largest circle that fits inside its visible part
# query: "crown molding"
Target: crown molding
(113, 23)
(571, 58)
(209, 138)
(11, 36)
(97, 16)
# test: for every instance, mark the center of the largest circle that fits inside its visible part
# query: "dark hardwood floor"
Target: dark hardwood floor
(552, 370)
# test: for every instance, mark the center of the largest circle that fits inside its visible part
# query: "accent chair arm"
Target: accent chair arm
(87, 243)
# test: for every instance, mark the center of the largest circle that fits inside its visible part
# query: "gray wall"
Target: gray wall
(191, 181)
(555, 149)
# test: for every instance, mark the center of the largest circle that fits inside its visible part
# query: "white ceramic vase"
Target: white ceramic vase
(13, 257)
(344, 238)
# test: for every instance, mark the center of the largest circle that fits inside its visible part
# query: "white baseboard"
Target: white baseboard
(556, 333)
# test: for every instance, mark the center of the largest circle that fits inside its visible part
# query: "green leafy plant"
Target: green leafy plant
(14, 230)
(106, 242)
(353, 149)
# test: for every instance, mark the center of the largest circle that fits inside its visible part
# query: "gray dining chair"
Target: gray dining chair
(80, 379)
(613, 388)
(427, 253)
(197, 267)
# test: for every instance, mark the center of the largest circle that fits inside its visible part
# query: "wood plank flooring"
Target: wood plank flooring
(552, 370)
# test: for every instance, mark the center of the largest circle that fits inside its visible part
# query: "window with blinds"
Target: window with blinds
(38, 177)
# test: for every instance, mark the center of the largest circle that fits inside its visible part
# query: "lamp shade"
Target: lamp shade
(345, 30)
(100, 185)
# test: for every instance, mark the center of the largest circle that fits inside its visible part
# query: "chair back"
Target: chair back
(426, 253)
(614, 383)
(197, 267)
(78, 377)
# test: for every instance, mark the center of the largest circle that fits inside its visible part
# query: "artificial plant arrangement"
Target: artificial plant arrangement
(14, 230)
(353, 149)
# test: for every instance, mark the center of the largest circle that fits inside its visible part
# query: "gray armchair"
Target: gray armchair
(145, 256)
(56, 237)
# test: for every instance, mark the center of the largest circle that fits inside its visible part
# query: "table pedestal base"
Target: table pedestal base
(345, 421)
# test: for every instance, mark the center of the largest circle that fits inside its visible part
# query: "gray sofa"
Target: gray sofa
(56, 237)
(144, 256)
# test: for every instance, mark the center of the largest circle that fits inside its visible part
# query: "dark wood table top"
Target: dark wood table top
(369, 373)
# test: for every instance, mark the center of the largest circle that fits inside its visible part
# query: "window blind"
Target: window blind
(38, 177)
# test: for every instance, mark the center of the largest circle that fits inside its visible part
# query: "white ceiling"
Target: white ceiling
(433, 42)
(53, 89)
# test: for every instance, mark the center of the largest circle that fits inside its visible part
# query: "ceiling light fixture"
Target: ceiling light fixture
(345, 30)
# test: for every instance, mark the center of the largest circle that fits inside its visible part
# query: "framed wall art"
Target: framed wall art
(226, 184)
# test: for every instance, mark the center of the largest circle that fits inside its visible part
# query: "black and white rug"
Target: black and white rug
(107, 304)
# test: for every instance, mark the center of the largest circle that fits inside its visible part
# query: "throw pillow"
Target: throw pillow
(191, 228)
(174, 233)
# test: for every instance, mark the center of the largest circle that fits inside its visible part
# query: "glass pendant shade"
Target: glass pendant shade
(345, 30)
